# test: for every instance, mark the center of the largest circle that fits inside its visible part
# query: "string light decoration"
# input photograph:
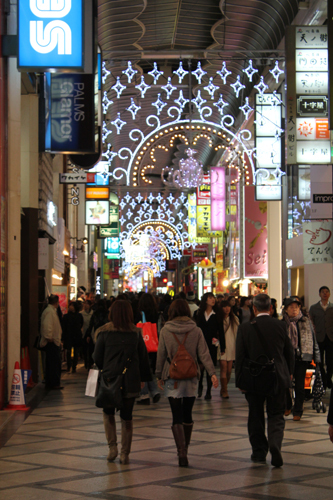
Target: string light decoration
(188, 176)
(276, 72)
(132, 155)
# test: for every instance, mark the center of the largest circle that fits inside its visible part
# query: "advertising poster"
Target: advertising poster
(255, 236)
(97, 212)
(317, 242)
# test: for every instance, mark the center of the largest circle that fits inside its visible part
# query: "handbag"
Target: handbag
(318, 387)
(92, 383)
(149, 333)
(260, 376)
(109, 393)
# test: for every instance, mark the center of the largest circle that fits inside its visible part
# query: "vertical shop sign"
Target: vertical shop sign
(330, 59)
(217, 196)
(50, 35)
(203, 191)
(192, 217)
(255, 236)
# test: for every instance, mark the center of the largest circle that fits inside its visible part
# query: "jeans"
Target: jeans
(149, 387)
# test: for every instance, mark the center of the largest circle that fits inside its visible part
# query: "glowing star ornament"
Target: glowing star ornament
(246, 108)
(159, 104)
(169, 88)
(276, 72)
(133, 108)
(224, 73)
(181, 73)
(250, 70)
(237, 86)
(118, 87)
(220, 104)
(143, 87)
(276, 101)
(199, 101)
(211, 88)
(199, 73)
(106, 102)
(261, 87)
(109, 154)
(155, 73)
(105, 72)
(129, 72)
(118, 123)
(105, 132)
(181, 101)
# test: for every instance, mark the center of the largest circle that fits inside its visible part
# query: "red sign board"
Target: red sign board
(198, 253)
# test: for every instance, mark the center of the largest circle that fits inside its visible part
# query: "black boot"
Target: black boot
(179, 436)
(188, 433)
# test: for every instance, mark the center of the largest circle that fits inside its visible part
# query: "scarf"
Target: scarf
(292, 327)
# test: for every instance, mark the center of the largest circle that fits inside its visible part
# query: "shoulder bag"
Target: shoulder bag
(260, 376)
(109, 392)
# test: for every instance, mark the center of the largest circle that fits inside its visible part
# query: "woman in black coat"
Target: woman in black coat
(72, 324)
(120, 343)
(208, 318)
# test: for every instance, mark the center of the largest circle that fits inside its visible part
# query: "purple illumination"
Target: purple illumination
(217, 195)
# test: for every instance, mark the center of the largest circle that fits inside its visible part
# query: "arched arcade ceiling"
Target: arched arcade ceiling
(210, 31)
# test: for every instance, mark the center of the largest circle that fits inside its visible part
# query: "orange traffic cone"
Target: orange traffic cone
(17, 399)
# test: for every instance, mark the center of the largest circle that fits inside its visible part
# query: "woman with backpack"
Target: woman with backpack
(181, 392)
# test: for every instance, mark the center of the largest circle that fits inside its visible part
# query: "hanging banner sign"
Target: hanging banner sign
(203, 191)
(50, 35)
(97, 212)
(217, 197)
(97, 193)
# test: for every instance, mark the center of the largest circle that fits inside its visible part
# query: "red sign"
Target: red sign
(203, 191)
(198, 253)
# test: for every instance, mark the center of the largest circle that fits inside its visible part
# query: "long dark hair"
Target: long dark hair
(203, 305)
(232, 316)
(148, 305)
(121, 315)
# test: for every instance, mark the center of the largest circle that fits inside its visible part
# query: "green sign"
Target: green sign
(112, 230)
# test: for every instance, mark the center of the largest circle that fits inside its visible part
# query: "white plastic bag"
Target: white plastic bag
(92, 383)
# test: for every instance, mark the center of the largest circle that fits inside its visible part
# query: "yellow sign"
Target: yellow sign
(203, 223)
(219, 262)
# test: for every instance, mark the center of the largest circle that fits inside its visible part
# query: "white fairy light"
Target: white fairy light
(199, 101)
(220, 104)
(159, 104)
(143, 87)
(224, 73)
(129, 72)
(211, 88)
(105, 132)
(276, 72)
(237, 86)
(181, 101)
(180, 72)
(105, 72)
(109, 154)
(155, 73)
(261, 87)
(169, 88)
(188, 176)
(118, 87)
(118, 123)
(250, 71)
(139, 198)
(276, 101)
(246, 108)
(199, 73)
(106, 102)
(133, 108)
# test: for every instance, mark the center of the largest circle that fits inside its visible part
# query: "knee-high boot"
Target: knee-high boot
(179, 436)
(111, 435)
(188, 433)
(224, 388)
(126, 440)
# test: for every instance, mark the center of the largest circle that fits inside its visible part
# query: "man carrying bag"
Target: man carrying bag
(264, 340)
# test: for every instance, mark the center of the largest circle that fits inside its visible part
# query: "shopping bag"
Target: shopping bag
(149, 333)
(92, 383)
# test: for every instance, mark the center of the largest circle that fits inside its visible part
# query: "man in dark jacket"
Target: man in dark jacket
(248, 345)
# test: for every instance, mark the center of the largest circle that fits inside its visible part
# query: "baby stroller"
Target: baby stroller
(317, 391)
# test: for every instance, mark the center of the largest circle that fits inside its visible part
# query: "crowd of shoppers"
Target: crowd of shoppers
(214, 329)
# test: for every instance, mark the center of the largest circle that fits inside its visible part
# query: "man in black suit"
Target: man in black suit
(248, 345)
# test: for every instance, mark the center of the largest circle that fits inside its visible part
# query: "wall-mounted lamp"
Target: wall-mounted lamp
(83, 241)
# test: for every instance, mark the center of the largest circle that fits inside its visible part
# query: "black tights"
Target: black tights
(126, 410)
(181, 410)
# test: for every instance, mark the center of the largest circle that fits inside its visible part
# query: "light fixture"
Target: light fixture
(84, 241)
(188, 176)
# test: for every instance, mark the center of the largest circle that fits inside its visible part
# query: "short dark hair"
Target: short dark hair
(324, 288)
(53, 299)
(121, 315)
(179, 307)
(262, 302)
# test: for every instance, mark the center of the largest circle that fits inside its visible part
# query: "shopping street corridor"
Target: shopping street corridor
(59, 453)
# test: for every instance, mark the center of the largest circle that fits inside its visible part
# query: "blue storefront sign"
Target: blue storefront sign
(50, 34)
(71, 122)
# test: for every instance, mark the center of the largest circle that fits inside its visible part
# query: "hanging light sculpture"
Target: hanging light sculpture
(188, 176)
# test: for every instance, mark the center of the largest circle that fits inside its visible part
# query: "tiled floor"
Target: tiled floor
(59, 453)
